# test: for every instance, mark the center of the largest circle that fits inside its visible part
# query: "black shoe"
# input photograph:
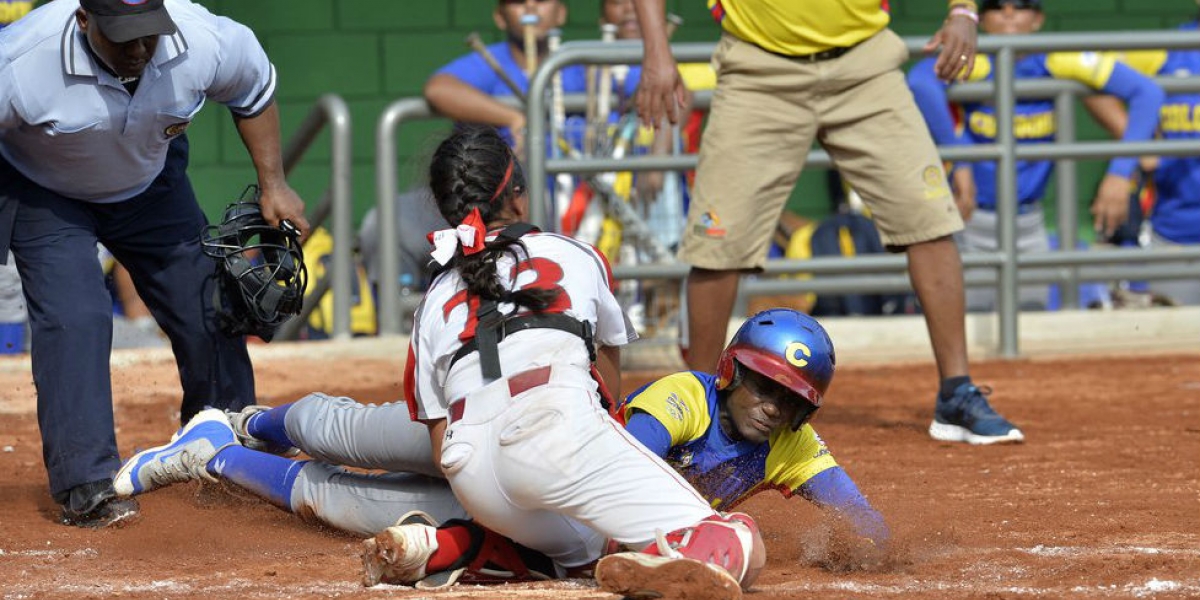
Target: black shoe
(95, 505)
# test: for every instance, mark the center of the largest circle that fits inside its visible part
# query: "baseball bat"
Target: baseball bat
(589, 111)
(529, 23)
(608, 34)
(563, 183)
(476, 44)
(674, 21)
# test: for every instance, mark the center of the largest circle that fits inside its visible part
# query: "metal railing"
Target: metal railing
(330, 110)
(406, 110)
(1006, 151)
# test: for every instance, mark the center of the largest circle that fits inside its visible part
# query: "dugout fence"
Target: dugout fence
(1004, 269)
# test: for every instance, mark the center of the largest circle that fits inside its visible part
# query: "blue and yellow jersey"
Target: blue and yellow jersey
(723, 470)
(796, 28)
(1034, 118)
(1176, 213)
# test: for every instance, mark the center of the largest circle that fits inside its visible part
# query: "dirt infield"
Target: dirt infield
(1102, 501)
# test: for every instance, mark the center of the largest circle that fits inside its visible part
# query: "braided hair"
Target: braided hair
(474, 168)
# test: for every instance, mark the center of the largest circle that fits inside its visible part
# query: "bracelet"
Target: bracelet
(963, 11)
(965, 3)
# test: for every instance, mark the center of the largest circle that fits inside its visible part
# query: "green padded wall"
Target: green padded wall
(372, 52)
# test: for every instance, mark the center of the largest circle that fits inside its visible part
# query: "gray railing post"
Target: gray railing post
(1068, 194)
(390, 311)
(331, 110)
(1006, 200)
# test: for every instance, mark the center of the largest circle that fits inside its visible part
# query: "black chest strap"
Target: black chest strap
(487, 339)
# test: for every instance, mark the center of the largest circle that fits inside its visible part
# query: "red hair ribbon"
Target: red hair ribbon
(470, 234)
(503, 182)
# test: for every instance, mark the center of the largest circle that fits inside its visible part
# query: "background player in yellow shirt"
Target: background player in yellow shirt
(790, 73)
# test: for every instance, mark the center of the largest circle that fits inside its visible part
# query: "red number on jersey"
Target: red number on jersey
(547, 275)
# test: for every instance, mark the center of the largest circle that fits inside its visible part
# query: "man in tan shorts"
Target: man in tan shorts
(792, 72)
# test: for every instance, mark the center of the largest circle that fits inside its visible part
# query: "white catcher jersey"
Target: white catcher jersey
(446, 319)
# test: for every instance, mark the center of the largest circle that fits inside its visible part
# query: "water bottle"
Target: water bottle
(409, 298)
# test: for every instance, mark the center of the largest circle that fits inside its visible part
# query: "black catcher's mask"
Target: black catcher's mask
(260, 269)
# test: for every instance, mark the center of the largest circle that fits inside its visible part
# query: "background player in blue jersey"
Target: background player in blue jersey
(731, 435)
(1175, 214)
(467, 88)
(975, 183)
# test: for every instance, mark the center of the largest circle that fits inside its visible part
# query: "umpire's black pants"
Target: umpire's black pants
(156, 236)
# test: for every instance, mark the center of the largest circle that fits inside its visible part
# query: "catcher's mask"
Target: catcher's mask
(260, 269)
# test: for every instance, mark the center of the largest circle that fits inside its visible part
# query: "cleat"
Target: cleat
(399, 554)
(967, 417)
(240, 420)
(638, 575)
(185, 458)
(730, 542)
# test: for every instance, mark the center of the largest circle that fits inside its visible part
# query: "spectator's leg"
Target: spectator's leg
(759, 131)
(708, 315)
(935, 270)
(881, 145)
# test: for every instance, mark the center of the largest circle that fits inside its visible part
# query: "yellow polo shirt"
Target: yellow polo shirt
(796, 27)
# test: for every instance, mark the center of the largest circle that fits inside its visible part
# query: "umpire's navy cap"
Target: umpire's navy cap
(125, 20)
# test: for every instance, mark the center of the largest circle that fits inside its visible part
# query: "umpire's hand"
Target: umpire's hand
(279, 202)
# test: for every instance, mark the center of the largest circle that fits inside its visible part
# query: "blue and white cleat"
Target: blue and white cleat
(184, 459)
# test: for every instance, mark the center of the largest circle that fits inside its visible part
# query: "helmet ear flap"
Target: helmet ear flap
(738, 373)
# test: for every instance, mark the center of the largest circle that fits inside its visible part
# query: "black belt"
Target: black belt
(829, 54)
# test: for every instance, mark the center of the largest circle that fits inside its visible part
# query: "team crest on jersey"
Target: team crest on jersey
(675, 407)
(176, 129)
(710, 225)
(685, 458)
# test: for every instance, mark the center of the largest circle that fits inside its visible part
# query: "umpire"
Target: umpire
(95, 96)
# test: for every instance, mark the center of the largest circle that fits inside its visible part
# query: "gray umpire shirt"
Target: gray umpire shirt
(67, 124)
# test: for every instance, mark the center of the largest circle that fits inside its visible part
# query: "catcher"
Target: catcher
(719, 442)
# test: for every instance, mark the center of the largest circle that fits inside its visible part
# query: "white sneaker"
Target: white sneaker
(185, 458)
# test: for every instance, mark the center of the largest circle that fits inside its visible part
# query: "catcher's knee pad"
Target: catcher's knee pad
(731, 541)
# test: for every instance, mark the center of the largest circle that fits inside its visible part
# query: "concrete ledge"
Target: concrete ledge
(858, 340)
(905, 338)
(894, 339)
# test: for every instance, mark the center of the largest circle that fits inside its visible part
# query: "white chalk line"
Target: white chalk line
(263, 588)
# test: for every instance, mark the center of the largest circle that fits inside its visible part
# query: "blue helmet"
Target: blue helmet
(788, 347)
